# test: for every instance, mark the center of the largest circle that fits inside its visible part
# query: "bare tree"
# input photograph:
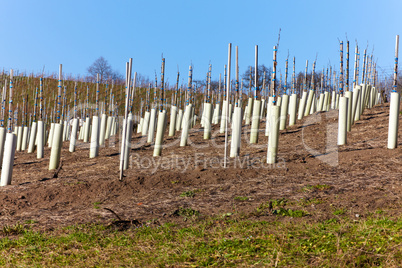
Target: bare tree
(261, 70)
(102, 67)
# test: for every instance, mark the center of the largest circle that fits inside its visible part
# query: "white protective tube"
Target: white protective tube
(342, 121)
(273, 138)
(94, 146)
(207, 120)
(81, 131)
(87, 125)
(193, 117)
(393, 121)
(337, 101)
(309, 102)
(73, 137)
(109, 127)
(32, 139)
(24, 142)
(179, 120)
(56, 147)
(145, 126)
(19, 138)
(357, 109)
(284, 112)
(139, 126)
(230, 113)
(263, 108)
(65, 130)
(292, 109)
(172, 124)
(268, 117)
(102, 133)
(152, 122)
(255, 122)
(302, 105)
(249, 110)
(186, 125)
(129, 132)
(349, 95)
(236, 132)
(2, 141)
(313, 105)
(363, 98)
(8, 159)
(320, 103)
(223, 118)
(40, 140)
(333, 99)
(326, 101)
(159, 133)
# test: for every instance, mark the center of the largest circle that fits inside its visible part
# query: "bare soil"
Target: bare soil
(312, 173)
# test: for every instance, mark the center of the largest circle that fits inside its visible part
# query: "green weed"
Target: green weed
(219, 242)
(339, 211)
(96, 205)
(13, 229)
(319, 187)
(241, 198)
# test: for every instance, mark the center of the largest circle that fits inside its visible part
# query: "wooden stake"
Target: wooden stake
(395, 82)
(273, 79)
(341, 70)
(355, 68)
(256, 72)
(227, 103)
(347, 66)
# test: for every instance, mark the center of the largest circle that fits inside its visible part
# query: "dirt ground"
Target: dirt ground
(312, 173)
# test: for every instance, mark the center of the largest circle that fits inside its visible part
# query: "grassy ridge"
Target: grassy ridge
(214, 241)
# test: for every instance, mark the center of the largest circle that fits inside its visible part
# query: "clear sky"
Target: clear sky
(44, 33)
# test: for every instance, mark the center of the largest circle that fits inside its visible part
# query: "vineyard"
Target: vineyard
(132, 158)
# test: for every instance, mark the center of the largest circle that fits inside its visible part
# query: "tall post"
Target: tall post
(347, 66)
(273, 79)
(364, 66)
(305, 78)
(10, 103)
(294, 75)
(286, 75)
(355, 68)
(395, 82)
(162, 91)
(341, 70)
(59, 96)
(237, 78)
(227, 103)
(256, 73)
(123, 147)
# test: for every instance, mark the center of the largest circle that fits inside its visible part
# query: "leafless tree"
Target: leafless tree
(102, 67)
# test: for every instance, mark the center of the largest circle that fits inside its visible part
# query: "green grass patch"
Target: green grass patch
(14, 229)
(289, 212)
(308, 202)
(241, 198)
(319, 187)
(277, 207)
(96, 205)
(190, 194)
(218, 242)
(339, 211)
(186, 212)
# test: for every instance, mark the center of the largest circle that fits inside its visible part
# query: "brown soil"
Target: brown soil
(360, 177)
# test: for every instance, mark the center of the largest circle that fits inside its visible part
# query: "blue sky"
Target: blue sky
(44, 33)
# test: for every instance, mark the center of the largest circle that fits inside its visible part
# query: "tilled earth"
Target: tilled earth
(313, 174)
